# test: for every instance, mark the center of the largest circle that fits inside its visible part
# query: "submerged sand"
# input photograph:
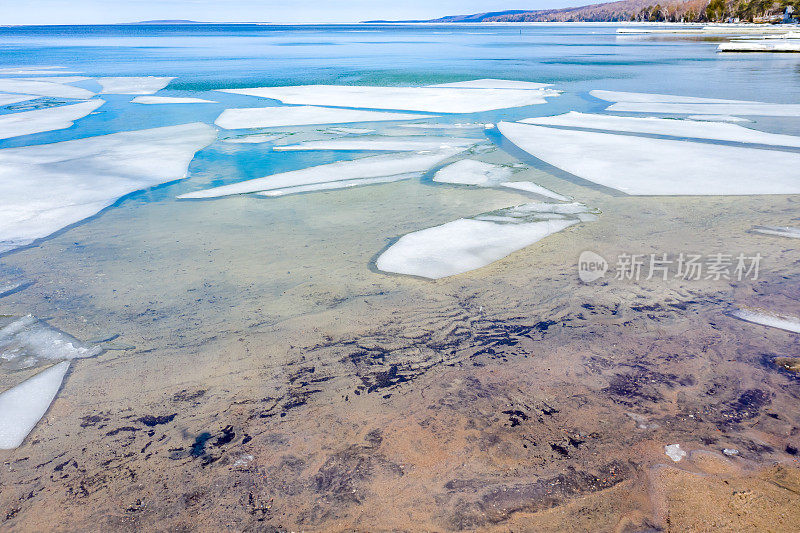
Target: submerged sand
(278, 383)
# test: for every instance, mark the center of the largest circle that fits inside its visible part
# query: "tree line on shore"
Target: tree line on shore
(716, 11)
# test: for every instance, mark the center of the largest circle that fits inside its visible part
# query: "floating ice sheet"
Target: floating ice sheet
(645, 166)
(27, 340)
(47, 187)
(392, 144)
(22, 407)
(467, 244)
(58, 79)
(270, 117)
(133, 85)
(47, 119)
(456, 126)
(7, 99)
(367, 167)
(780, 231)
(343, 184)
(494, 84)
(431, 99)
(169, 100)
(254, 139)
(43, 88)
(663, 126)
(348, 131)
(788, 323)
(34, 71)
(471, 172)
(718, 118)
(529, 186)
(666, 103)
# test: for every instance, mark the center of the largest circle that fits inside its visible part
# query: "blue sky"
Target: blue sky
(101, 11)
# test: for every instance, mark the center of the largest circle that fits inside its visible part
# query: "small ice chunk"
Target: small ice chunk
(253, 139)
(674, 452)
(133, 85)
(730, 451)
(467, 244)
(169, 100)
(43, 88)
(44, 188)
(665, 126)
(646, 166)
(270, 117)
(493, 84)
(391, 144)
(672, 104)
(788, 323)
(341, 184)
(529, 186)
(23, 406)
(29, 337)
(8, 99)
(780, 231)
(429, 99)
(471, 172)
(367, 167)
(47, 119)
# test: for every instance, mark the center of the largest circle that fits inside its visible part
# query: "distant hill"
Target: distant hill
(636, 10)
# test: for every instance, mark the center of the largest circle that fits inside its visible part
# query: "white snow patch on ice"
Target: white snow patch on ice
(430, 99)
(46, 187)
(47, 119)
(467, 244)
(169, 100)
(667, 103)
(663, 126)
(367, 167)
(471, 172)
(674, 452)
(493, 84)
(788, 323)
(43, 88)
(644, 166)
(133, 85)
(342, 184)
(29, 337)
(270, 117)
(529, 186)
(780, 231)
(393, 144)
(23, 406)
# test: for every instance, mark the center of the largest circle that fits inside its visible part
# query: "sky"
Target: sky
(111, 11)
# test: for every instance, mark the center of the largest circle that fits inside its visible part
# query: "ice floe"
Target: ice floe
(270, 117)
(490, 83)
(43, 88)
(23, 406)
(47, 119)
(646, 166)
(253, 139)
(780, 231)
(349, 131)
(664, 126)
(456, 126)
(7, 99)
(27, 341)
(34, 71)
(46, 187)
(529, 186)
(718, 118)
(342, 184)
(471, 172)
(430, 99)
(788, 323)
(58, 79)
(133, 85)
(377, 143)
(467, 244)
(674, 452)
(367, 167)
(169, 100)
(666, 103)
